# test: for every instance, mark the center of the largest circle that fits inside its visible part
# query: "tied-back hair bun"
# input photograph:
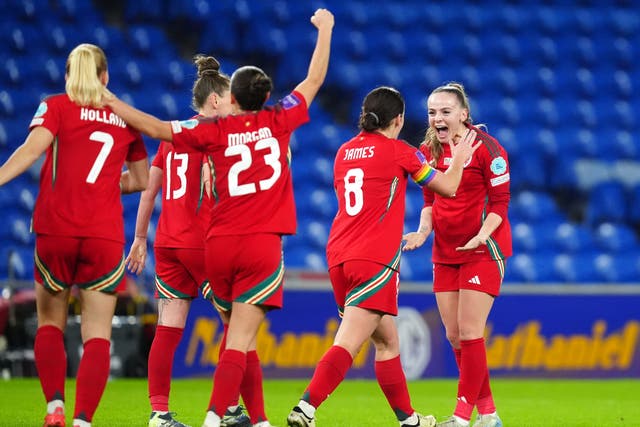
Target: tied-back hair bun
(207, 66)
(261, 82)
(376, 119)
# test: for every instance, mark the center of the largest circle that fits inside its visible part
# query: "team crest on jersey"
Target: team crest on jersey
(289, 101)
(189, 124)
(447, 161)
(42, 108)
(498, 165)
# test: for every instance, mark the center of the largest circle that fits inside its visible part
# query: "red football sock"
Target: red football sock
(226, 380)
(93, 373)
(485, 402)
(394, 386)
(473, 369)
(458, 355)
(223, 341)
(163, 349)
(51, 361)
(328, 375)
(223, 347)
(251, 388)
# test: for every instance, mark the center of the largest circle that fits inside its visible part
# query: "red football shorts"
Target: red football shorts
(483, 276)
(90, 263)
(365, 284)
(245, 268)
(180, 273)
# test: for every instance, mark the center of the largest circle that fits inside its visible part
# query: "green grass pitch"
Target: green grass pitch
(521, 402)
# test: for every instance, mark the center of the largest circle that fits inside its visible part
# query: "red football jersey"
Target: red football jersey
(370, 180)
(252, 190)
(484, 188)
(80, 177)
(185, 204)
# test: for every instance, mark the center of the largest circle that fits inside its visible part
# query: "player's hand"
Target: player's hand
(322, 18)
(107, 96)
(137, 255)
(472, 244)
(414, 240)
(463, 146)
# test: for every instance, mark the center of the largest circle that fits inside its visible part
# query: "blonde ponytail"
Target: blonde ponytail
(84, 69)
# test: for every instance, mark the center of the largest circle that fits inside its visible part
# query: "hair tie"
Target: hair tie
(375, 116)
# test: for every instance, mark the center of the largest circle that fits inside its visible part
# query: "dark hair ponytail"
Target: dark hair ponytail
(379, 108)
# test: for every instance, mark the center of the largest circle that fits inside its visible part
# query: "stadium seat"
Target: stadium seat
(587, 116)
(547, 82)
(616, 238)
(607, 203)
(586, 21)
(416, 266)
(315, 233)
(324, 204)
(536, 207)
(144, 40)
(395, 46)
(547, 20)
(20, 231)
(21, 264)
(585, 52)
(623, 23)
(26, 200)
(527, 171)
(624, 53)
(573, 238)
(619, 268)
(10, 73)
(108, 37)
(577, 268)
(532, 269)
(625, 115)
(623, 84)
(143, 11)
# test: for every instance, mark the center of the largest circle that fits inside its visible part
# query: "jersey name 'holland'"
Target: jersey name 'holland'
(80, 178)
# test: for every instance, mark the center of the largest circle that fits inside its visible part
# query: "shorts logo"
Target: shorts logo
(498, 165)
(475, 280)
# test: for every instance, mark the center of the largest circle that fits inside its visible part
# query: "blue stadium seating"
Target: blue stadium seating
(554, 84)
(577, 268)
(416, 265)
(607, 202)
(615, 238)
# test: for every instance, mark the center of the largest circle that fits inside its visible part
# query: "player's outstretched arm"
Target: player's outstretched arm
(137, 119)
(415, 239)
(38, 140)
(323, 21)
